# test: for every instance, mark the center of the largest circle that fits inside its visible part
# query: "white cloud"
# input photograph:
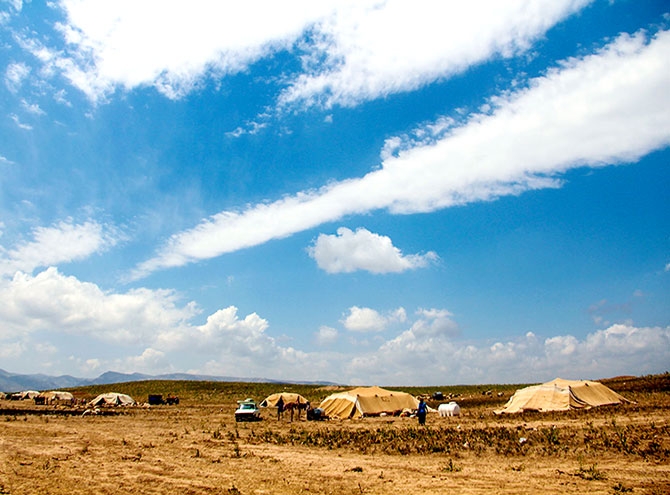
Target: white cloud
(15, 75)
(606, 108)
(250, 128)
(171, 45)
(19, 123)
(62, 243)
(370, 320)
(240, 347)
(150, 361)
(364, 320)
(141, 329)
(12, 349)
(438, 359)
(355, 50)
(65, 322)
(372, 50)
(326, 336)
(53, 303)
(92, 365)
(434, 323)
(33, 108)
(363, 250)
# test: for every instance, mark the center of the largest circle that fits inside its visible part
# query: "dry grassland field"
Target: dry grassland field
(196, 447)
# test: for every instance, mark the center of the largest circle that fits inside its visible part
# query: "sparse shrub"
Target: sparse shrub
(590, 474)
(451, 467)
(620, 488)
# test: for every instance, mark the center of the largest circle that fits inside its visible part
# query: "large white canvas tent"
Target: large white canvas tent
(287, 397)
(112, 399)
(367, 401)
(561, 395)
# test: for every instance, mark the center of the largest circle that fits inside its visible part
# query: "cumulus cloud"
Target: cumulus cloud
(53, 302)
(64, 322)
(326, 335)
(606, 108)
(439, 359)
(243, 346)
(434, 323)
(141, 329)
(364, 320)
(350, 251)
(150, 361)
(63, 242)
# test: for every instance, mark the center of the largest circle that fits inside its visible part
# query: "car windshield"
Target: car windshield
(247, 406)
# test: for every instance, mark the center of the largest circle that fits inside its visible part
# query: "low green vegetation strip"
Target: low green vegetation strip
(646, 441)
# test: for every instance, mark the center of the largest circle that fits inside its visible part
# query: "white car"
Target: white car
(247, 411)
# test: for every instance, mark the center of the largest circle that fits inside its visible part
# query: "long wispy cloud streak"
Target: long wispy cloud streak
(607, 108)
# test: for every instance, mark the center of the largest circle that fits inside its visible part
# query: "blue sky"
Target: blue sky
(384, 192)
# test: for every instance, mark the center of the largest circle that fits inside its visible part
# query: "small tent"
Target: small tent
(271, 400)
(56, 396)
(561, 395)
(112, 399)
(25, 395)
(367, 401)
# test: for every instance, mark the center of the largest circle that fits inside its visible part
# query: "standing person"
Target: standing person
(421, 412)
(280, 408)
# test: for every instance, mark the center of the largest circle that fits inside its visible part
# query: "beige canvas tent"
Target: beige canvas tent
(112, 399)
(367, 401)
(271, 401)
(56, 396)
(25, 395)
(561, 395)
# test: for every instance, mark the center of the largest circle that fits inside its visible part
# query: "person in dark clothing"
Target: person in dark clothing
(421, 412)
(280, 408)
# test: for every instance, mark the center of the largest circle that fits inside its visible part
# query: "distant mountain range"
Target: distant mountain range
(12, 382)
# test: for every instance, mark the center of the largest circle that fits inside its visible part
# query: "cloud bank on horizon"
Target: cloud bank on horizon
(603, 104)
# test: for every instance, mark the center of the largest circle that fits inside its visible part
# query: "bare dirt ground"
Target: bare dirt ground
(198, 448)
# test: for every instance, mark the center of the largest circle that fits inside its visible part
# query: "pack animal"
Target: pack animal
(296, 407)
